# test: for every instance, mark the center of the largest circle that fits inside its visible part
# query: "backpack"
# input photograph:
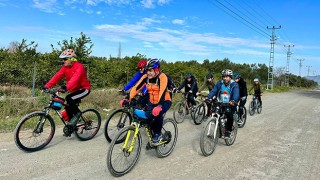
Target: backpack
(171, 84)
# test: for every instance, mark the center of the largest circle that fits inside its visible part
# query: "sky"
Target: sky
(174, 30)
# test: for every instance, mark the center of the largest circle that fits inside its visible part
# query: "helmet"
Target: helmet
(68, 53)
(236, 75)
(256, 80)
(153, 63)
(142, 63)
(227, 72)
(209, 75)
(188, 75)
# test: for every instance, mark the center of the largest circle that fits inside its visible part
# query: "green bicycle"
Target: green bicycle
(125, 148)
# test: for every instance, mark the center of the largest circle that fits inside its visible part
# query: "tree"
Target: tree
(82, 46)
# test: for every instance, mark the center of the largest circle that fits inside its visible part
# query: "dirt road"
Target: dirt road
(283, 142)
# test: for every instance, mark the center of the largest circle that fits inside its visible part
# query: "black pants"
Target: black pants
(241, 105)
(258, 95)
(191, 98)
(73, 99)
(230, 119)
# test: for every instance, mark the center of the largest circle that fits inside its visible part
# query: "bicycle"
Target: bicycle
(242, 119)
(200, 110)
(216, 127)
(35, 130)
(255, 105)
(125, 148)
(182, 108)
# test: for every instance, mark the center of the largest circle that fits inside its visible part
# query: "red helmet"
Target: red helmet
(142, 64)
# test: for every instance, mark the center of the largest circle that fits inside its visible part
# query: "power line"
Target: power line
(242, 20)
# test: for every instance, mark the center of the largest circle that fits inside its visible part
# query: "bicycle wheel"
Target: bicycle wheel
(242, 119)
(88, 125)
(170, 135)
(259, 108)
(233, 135)
(199, 114)
(209, 137)
(34, 131)
(251, 108)
(122, 157)
(179, 112)
(115, 122)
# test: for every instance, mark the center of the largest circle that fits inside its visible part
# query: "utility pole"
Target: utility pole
(270, 69)
(286, 82)
(119, 51)
(309, 67)
(300, 65)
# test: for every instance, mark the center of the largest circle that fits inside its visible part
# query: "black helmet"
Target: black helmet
(188, 75)
(209, 75)
(153, 63)
(227, 72)
(236, 75)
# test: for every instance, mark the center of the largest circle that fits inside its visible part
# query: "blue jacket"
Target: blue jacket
(133, 81)
(235, 95)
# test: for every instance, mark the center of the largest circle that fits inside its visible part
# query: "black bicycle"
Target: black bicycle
(255, 105)
(242, 119)
(35, 130)
(215, 128)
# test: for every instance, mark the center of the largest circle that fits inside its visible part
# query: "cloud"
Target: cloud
(45, 5)
(152, 3)
(178, 21)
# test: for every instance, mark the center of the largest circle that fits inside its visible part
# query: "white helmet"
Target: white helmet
(256, 80)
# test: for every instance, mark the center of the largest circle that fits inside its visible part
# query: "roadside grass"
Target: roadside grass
(14, 106)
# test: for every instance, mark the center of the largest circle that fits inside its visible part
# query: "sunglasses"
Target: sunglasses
(140, 69)
(64, 59)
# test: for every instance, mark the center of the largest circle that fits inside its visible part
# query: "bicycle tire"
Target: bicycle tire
(243, 118)
(27, 126)
(179, 112)
(115, 122)
(170, 129)
(88, 124)
(251, 108)
(259, 108)
(199, 114)
(114, 157)
(209, 138)
(233, 135)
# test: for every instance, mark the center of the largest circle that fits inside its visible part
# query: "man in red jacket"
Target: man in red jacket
(77, 84)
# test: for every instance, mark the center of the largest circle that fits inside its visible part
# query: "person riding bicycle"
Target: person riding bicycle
(257, 90)
(243, 91)
(190, 86)
(143, 99)
(227, 90)
(159, 101)
(208, 83)
(77, 83)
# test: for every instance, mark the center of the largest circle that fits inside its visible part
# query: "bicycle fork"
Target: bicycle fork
(215, 127)
(136, 131)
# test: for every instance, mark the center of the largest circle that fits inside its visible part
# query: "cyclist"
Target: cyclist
(190, 87)
(257, 90)
(77, 83)
(243, 91)
(159, 100)
(228, 92)
(143, 100)
(208, 82)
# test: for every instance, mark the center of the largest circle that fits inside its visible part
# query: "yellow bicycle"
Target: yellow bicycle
(125, 148)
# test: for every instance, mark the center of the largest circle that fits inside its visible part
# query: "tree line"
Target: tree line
(21, 63)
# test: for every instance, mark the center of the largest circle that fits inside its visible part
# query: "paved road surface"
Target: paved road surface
(281, 143)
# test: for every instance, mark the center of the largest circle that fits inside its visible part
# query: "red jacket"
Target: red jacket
(75, 75)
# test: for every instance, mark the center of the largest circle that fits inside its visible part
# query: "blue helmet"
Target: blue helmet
(153, 63)
(236, 75)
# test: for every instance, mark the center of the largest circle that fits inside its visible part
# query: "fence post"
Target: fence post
(34, 78)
